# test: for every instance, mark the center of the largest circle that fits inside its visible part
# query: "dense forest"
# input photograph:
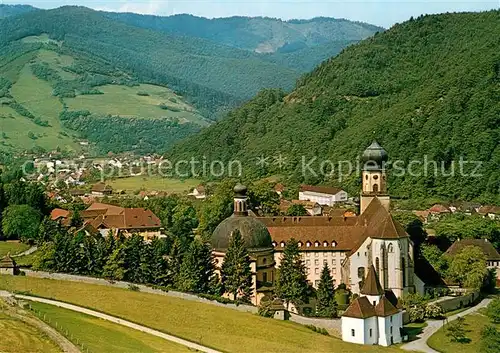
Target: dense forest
(427, 88)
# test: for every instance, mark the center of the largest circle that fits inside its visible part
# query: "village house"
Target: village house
(437, 211)
(492, 256)
(492, 212)
(114, 220)
(279, 189)
(101, 189)
(322, 194)
(198, 192)
(312, 208)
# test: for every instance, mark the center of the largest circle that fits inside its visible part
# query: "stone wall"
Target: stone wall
(452, 303)
(328, 324)
(142, 288)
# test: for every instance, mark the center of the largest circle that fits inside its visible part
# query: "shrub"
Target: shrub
(265, 309)
(434, 311)
(493, 311)
(416, 313)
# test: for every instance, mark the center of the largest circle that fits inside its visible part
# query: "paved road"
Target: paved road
(120, 322)
(420, 345)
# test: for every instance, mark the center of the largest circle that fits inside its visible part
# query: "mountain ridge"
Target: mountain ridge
(422, 88)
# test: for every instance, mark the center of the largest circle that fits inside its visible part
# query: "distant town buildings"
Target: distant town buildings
(322, 195)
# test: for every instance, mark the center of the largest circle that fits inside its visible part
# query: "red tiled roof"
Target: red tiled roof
(129, 218)
(385, 308)
(360, 308)
(58, 213)
(320, 189)
(279, 187)
(371, 284)
(348, 233)
(438, 208)
(489, 209)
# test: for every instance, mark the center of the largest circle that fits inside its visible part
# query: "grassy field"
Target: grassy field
(12, 248)
(18, 337)
(475, 323)
(154, 183)
(209, 325)
(124, 101)
(36, 96)
(103, 336)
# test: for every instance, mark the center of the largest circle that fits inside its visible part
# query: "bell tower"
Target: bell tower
(374, 176)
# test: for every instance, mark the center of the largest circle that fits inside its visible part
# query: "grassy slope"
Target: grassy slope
(475, 323)
(209, 325)
(132, 184)
(12, 248)
(124, 101)
(18, 337)
(36, 95)
(102, 336)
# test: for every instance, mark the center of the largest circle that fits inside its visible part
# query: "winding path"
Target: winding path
(420, 345)
(120, 322)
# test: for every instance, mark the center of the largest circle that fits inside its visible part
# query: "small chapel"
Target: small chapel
(374, 317)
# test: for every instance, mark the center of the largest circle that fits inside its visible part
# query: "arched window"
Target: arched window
(334, 244)
(325, 244)
(264, 260)
(377, 266)
(300, 244)
(274, 244)
(375, 187)
(282, 244)
(316, 243)
(390, 248)
(403, 270)
(308, 244)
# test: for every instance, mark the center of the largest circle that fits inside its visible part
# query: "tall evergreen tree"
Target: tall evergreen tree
(236, 272)
(197, 268)
(291, 282)
(326, 305)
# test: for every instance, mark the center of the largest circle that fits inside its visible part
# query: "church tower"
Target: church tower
(374, 176)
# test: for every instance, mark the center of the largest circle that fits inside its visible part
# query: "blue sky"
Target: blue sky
(380, 12)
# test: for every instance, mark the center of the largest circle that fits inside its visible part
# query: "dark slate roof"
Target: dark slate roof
(486, 247)
(385, 308)
(371, 284)
(254, 233)
(360, 308)
(7, 262)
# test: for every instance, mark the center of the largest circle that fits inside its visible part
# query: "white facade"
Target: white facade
(314, 262)
(360, 331)
(322, 198)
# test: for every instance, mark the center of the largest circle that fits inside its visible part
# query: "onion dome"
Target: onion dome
(374, 156)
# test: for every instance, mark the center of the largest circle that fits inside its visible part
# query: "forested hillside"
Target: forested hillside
(298, 44)
(427, 87)
(12, 10)
(211, 75)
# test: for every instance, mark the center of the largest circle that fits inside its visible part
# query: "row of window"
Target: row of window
(325, 262)
(316, 254)
(309, 244)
